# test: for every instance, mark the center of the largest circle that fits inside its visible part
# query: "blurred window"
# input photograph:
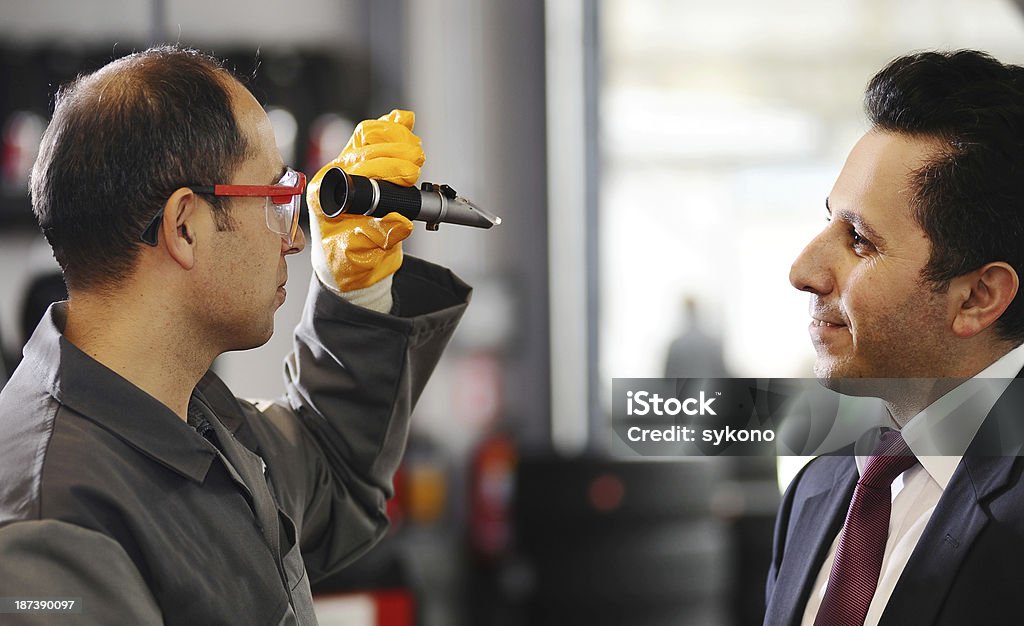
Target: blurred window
(722, 128)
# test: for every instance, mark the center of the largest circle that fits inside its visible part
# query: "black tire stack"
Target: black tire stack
(623, 542)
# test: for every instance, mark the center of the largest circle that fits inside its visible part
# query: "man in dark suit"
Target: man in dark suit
(914, 286)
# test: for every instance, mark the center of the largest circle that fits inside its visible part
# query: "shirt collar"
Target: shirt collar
(939, 435)
(100, 395)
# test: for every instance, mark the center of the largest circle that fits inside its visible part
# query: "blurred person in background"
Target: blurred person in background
(915, 289)
(131, 478)
(695, 352)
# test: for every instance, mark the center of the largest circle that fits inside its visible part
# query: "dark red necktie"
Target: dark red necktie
(858, 560)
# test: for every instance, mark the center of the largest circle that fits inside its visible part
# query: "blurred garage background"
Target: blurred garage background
(657, 163)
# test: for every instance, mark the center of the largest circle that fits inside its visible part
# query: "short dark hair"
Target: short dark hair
(121, 141)
(969, 197)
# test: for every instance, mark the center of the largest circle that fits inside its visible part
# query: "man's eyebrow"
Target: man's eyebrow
(858, 222)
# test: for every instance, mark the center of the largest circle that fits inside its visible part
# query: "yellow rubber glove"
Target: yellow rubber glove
(356, 251)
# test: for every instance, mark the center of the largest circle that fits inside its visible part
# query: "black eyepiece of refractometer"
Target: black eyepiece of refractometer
(341, 192)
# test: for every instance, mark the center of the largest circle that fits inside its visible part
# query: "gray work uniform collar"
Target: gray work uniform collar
(88, 387)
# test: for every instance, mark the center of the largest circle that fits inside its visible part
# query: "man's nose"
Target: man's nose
(297, 245)
(811, 271)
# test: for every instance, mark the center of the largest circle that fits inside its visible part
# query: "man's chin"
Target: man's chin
(845, 379)
(829, 371)
(253, 340)
(851, 383)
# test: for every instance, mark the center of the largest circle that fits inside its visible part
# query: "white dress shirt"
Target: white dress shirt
(948, 424)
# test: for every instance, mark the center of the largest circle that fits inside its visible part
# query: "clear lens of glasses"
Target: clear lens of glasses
(283, 219)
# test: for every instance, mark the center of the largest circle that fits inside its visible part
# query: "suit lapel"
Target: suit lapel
(819, 519)
(955, 524)
(958, 517)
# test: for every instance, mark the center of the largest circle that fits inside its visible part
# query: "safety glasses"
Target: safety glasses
(282, 207)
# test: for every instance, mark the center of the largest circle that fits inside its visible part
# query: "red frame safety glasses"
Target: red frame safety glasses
(283, 204)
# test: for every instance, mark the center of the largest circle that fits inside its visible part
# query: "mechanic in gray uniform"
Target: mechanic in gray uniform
(131, 478)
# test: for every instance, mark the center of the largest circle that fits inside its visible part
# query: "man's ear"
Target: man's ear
(988, 291)
(179, 226)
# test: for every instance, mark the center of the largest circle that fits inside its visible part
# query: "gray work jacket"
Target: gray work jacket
(109, 497)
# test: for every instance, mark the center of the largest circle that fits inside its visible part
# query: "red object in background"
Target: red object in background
(606, 492)
(22, 132)
(381, 607)
(492, 482)
(395, 508)
(395, 608)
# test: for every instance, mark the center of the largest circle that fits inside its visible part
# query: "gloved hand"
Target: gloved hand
(357, 255)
